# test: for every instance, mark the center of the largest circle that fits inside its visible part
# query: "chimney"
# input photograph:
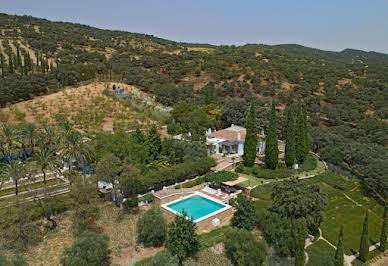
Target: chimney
(209, 131)
(238, 136)
(232, 125)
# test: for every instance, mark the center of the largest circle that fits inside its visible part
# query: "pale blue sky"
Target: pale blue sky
(324, 24)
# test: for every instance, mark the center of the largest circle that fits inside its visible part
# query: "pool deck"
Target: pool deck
(205, 223)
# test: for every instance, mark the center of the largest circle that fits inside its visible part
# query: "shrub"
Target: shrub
(149, 197)
(280, 232)
(151, 228)
(221, 176)
(232, 202)
(189, 184)
(177, 186)
(244, 249)
(130, 203)
(175, 173)
(194, 182)
(244, 217)
(164, 258)
(182, 240)
(88, 249)
(15, 261)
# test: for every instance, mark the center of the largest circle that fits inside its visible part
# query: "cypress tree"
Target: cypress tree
(37, 60)
(305, 129)
(300, 233)
(250, 144)
(2, 64)
(364, 245)
(154, 144)
(300, 136)
(271, 145)
(289, 156)
(18, 58)
(383, 238)
(11, 69)
(339, 254)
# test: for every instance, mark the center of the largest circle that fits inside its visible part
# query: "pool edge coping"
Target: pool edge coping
(226, 206)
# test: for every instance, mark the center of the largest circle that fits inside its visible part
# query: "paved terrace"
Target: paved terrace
(171, 190)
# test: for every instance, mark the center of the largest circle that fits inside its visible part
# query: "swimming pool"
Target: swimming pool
(198, 206)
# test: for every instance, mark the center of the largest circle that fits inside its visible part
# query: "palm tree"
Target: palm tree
(15, 170)
(30, 131)
(46, 160)
(7, 140)
(71, 147)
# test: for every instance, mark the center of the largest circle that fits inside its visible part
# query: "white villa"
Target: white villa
(230, 141)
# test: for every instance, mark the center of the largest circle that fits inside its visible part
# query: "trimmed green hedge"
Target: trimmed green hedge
(194, 182)
(176, 173)
(221, 176)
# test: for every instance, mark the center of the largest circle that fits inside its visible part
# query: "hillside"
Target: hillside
(345, 56)
(345, 93)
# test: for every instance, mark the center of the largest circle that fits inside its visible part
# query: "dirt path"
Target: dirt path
(383, 261)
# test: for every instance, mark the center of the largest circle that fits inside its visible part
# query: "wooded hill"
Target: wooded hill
(346, 93)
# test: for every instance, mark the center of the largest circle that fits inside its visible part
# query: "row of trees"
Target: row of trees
(296, 138)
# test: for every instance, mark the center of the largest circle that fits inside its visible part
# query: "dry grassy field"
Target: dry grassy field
(119, 226)
(87, 107)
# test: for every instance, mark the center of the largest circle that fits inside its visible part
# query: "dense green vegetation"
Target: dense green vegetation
(88, 249)
(345, 93)
(348, 200)
(152, 228)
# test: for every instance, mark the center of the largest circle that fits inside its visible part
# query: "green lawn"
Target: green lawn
(371, 255)
(318, 252)
(340, 210)
(262, 192)
(213, 237)
(254, 181)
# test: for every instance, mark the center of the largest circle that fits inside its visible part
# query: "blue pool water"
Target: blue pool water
(196, 206)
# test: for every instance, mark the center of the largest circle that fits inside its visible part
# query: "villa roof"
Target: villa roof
(230, 133)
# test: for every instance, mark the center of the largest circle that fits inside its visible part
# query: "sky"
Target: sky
(324, 24)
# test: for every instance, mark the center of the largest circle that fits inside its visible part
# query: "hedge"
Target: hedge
(221, 176)
(176, 173)
(194, 182)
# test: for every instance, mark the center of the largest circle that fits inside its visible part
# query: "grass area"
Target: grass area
(319, 250)
(213, 237)
(310, 166)
(205, 256)
(119, 226)
(262, 192)
(371, 255)
(340, 210)
(208, 257)
(253, 181)
(22, 188)
(318, 170)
